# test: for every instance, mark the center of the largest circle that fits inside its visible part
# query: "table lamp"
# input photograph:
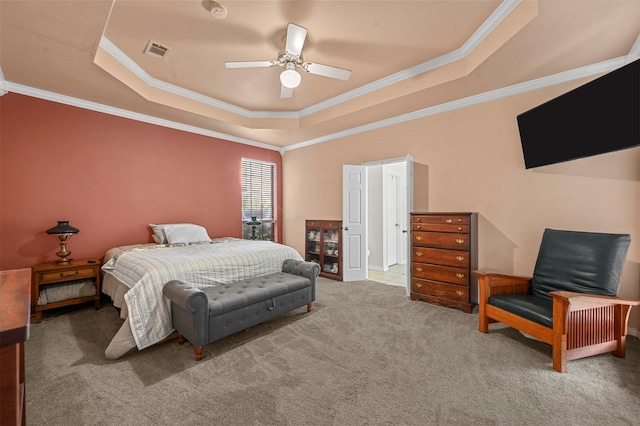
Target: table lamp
(63, 230)
(253, 223)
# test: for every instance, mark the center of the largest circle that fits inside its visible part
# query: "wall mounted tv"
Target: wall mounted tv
(598, 117)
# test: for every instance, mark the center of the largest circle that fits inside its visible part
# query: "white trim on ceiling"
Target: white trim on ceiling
(501, 12)
(3, 83)
(504, 92)
(563, 77)
(467, 48)
(94, 106)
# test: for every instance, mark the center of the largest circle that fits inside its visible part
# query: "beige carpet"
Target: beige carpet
(365, 355)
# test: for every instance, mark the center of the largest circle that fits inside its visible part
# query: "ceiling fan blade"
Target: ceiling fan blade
(249, 64)
(327, 71)
(285, 92)
(295, 39)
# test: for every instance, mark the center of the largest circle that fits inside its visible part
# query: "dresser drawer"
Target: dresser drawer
(441, 240)
(455, 258)
(447, 274)
(441, 290)
(314, 223)
(439, 227)
(72, 274)
(442, 219)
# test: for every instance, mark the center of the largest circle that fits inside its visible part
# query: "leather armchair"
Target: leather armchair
(570, 302)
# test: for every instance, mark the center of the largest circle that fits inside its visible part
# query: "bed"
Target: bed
(134, 276)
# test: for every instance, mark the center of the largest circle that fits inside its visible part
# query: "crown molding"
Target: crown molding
(94, 106)
(501, 12)
(577, 73)
(504, 92)
(3, 84)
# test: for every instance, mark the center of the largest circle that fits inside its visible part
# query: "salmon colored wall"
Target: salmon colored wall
(110, 177)
(470, 159)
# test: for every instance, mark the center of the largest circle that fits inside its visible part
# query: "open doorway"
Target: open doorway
(387, 221)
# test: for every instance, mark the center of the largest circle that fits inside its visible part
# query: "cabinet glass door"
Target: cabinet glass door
(313, 245)
(331, 252)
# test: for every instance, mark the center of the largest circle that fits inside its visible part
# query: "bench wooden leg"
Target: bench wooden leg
(181, 339)
(199, 353)
(309, 307)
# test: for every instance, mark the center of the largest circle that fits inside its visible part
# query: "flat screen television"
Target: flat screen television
(598, 117)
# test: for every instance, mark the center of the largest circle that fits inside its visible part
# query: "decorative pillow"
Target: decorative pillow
(185, 233)
(158, 234)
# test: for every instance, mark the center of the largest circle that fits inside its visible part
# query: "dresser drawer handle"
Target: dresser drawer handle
(418, 219)
(460, 258)
(460, 241)
(459, 220)
(418, 227)
(418, 269)
(459, 292)
(449, 221)
(418, 253)
(459, 228)
(418, 237)
(419, 285)
(459, 275)
(63, 275)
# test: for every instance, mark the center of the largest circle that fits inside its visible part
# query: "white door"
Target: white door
(393, 219)
(354, 223)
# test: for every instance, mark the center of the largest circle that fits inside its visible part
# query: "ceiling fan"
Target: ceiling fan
(290, 60)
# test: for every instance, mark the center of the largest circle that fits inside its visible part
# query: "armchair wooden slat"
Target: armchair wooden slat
(577, 324)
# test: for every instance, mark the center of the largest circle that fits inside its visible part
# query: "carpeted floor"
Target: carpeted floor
(365, 355)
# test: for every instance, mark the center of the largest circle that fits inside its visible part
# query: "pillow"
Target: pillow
(185, 233)
(158, 234)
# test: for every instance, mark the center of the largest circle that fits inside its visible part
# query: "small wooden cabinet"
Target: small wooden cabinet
(324, 246)
(60, 274)
(444, 251)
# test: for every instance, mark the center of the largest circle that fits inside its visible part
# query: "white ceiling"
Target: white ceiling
(405, 57)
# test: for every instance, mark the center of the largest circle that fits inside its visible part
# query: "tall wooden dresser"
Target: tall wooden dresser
(444, 251)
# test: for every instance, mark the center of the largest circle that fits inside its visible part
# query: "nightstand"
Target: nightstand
(76, 273)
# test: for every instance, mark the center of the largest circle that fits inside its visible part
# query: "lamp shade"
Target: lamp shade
(254, 221)
(63, 227)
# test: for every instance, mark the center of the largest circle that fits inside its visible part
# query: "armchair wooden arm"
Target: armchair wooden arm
(492, 284)
(582, 300)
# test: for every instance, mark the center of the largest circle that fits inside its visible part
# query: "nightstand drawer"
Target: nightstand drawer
(72, 274)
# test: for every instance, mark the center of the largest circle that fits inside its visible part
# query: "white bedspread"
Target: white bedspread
(145, 270)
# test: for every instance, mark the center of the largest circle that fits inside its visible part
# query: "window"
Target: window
(257, 198)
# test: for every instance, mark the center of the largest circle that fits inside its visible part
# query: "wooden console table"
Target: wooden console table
(15, 309)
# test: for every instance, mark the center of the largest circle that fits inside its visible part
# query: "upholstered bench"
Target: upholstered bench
(203, 316)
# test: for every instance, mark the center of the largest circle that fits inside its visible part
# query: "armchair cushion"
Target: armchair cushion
(583, 262)
(534, 308)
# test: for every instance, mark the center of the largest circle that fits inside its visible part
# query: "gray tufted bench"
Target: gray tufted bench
(205, 315)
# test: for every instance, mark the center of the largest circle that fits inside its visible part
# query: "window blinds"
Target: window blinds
(257, 189)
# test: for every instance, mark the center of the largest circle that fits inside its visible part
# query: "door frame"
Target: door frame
(408, 160)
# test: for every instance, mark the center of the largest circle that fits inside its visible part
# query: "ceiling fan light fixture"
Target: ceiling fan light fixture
(290, 78)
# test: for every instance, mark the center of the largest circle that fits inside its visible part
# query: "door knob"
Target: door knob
(346, 228)
(404, 231)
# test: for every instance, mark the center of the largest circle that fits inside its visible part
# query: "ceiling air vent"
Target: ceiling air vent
(156, 50)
